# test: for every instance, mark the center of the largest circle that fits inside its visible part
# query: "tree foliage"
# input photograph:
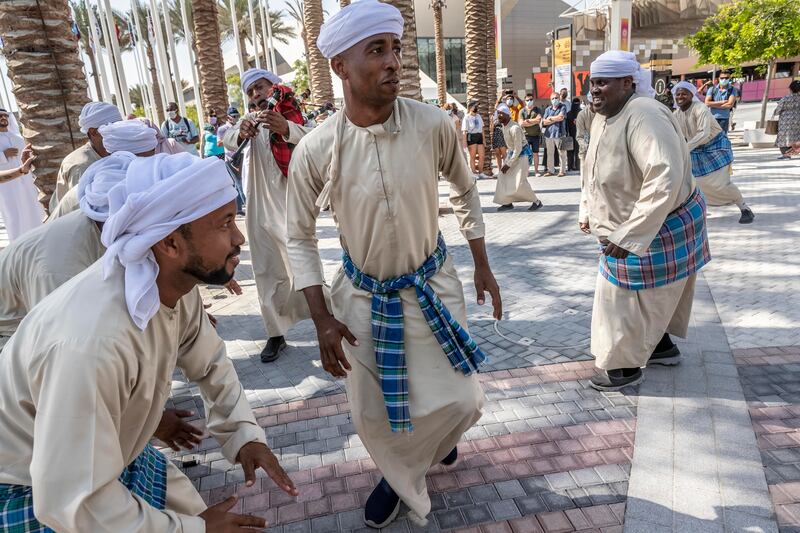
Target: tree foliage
(235, 96)
(300, 82)
(749, 30)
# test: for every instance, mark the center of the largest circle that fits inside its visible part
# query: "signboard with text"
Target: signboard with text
(562, 63)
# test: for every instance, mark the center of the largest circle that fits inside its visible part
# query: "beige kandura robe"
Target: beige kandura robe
(386, 208)
(583, 125)
(67, 204)
(638, 171)
(81, 396)
(513, 186)
(699, 127)
(41, 261)
(72, 168)
(281, 305)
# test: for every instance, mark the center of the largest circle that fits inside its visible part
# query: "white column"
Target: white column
(107, 38)
(158, 46)
(174, 57)
(620, 23)
(3, 81)
(193, 65)
(123, 84)
(498, 18)
(98, 55)
(145, 66)
(264, 41)
(234, 21)
(271, 43)
(253, 35)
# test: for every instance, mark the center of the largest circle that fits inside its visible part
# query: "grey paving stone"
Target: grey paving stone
(325, 524)
(509, 489)
(477, 514)
(456, 498)
(449, 519)
(531, 505)
(504, 510)
(483, 493)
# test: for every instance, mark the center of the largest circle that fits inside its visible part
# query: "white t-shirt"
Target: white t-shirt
(181, 131)
(472, 124)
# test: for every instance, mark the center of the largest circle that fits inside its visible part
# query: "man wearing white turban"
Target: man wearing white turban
(82, 395)
(408, 357)
(643, 207)
(512, 181)
(93, 115)
(711, 151)
(133, 136)
(19, 203)
(281, 306)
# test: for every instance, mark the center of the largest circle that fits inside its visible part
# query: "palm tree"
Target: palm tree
(82, 21)
(295, 11)
(491, 73)
(318, 68)
(281, 31)
(48, 82)
(475, 52)
(438, 38)
(213, 86)
(409, 77)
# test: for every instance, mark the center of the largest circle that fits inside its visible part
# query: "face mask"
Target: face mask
(212, 121)
(724, 82)
(554, 101)
(172, 114)
(529, 104)
(509, 101)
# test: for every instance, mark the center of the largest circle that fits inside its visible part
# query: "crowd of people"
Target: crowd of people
(135, 227)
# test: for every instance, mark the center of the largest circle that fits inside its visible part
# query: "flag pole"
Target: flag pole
(174, 57)
(101, 65)
(123, 84)
(271, 42)
(188, 38)
(253, 37)
(264, 43)
(166, 82)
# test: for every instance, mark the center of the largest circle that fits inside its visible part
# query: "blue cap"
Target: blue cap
(233, 111)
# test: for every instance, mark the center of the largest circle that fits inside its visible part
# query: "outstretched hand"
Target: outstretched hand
(485, 282)
(219, 519)
(254, 455)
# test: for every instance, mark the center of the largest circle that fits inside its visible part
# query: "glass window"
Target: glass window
(455, 62)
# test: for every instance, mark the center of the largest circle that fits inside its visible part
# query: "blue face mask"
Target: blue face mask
(724, 82)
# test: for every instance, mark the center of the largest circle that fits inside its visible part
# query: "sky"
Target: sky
(290, 52)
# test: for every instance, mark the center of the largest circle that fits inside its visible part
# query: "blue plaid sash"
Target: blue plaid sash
(712, 156)
(387, 330)
(679, 250)
(146, 477)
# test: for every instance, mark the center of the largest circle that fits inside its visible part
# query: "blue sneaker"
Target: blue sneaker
(382, 506)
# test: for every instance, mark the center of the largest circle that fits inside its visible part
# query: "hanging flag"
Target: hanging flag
(131, 32)
(116, 30)
(75, 30)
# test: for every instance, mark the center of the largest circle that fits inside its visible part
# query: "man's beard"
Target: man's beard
(219, 276)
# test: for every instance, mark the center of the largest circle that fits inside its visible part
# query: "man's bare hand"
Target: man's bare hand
(330, 333)
(219, 520)
(584, 227)
(248, 129)
(485, 282)
(275, 122)
(612, 250)
(254, 455)
(233, 287)
(176, 433)
(11, 152)
(505, 169)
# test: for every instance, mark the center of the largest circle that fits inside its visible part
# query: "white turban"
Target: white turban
(96, 114)
(159, 194)
(132, 136)
(356, 22)
(503, 108)
(618, 64)
(254, 74)
(98, 179)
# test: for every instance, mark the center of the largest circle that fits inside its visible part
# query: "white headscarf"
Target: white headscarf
(254, 74)
(13, 127)
(618, 64)
(158, 195)
(98, 179)
(503, 108)
(96, 114)
(132, 136)
(356, 22)
(691, 87)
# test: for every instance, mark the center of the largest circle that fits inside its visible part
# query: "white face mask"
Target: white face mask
(554, 101)
(212, 121)
(172, 114)
(723, 82)
(509, 101)
(529, 104)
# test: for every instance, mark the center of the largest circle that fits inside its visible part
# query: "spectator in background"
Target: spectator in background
(532, 124)
(721, 98)
(210, 145)
(563, 96)
(452, 113)
(555, 129)
(232, 119)
(788, 113)
(183, 130)
(472, 127)
(573, 162)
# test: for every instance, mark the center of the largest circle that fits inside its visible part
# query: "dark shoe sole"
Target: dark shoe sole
(613, 388)
(268, 358)
(747, 219)
(505, 208)
(669, 357)
(536, 206)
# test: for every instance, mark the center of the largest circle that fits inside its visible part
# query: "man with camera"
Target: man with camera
(182, 129)
(271, 130)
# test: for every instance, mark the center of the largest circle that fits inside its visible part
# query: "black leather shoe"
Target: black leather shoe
(273, 349)
(536, 205)
(451, 458)
(747, 216)
(506, 207)
(665, 353)
(382, 506)
(613, 380)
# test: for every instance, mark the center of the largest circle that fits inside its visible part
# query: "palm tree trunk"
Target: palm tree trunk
(243, 48)
(438, 38)
(318, 68)
(95, 75)
(213, 87)
(48, 82)
(491, 58)
(344, 3)
(475, 52)
(151, 67)
(409, 77)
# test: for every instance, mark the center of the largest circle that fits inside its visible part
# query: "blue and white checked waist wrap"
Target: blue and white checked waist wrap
(387, 330)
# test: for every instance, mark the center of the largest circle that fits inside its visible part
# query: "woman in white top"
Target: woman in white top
(472, 127)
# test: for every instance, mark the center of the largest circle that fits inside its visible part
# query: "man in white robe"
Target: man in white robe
(512, 182)
(82, 395)
(638, 176)
(93, 115)
(281, 306)
(19, 204)
(710, 149)
(376, 164)
(133, 136)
